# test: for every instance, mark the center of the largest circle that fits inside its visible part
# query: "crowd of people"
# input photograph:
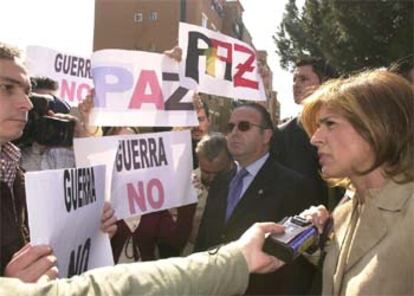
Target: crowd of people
(346, 163)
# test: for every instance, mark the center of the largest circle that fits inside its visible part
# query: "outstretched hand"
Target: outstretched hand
(251, 243)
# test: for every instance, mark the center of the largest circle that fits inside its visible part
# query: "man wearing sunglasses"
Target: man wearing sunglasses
(257, 189)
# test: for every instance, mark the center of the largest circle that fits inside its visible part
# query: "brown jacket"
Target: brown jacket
(380, 256)
(13, 220)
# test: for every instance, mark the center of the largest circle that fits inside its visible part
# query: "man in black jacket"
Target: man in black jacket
(267, 192)
(290, 145)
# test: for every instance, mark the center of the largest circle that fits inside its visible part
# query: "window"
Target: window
(216, 5)
(204, 20)
(138, 17)
(153, 16)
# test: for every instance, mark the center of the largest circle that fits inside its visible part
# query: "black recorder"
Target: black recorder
(298, 237)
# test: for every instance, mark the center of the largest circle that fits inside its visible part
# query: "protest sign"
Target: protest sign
(134, 88)
(151, 172)
(65, 210)
(220, 65)
(72, 72)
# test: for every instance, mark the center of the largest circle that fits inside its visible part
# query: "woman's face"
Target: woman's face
(342, 151)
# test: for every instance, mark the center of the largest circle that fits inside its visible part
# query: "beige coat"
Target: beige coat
(224, 272)
(380, 256)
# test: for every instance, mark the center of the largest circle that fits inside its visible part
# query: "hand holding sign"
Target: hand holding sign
(108, 220)
(31, 263)
(76, 196)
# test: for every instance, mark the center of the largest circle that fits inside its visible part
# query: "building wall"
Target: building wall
(133, 26)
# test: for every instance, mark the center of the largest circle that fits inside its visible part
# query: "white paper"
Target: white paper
(209, 55)
(134, 88)
(72, 72)
(59, 219)
(151, 187)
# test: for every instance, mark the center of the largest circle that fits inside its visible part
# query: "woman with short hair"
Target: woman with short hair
(363, 128)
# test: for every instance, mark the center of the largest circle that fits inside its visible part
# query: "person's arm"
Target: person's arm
(222, 272)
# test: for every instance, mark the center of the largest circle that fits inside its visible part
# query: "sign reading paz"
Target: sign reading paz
(72, 72)
(220, 65)
(139, 89)
(65, 209)
(151, 172)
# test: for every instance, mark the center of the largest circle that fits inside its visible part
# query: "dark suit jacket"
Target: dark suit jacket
(291, 147)
(275, 192)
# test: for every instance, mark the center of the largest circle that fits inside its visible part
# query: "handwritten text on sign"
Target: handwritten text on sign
(72, 72)
(139, 89)
(65, 208)
(219, 65)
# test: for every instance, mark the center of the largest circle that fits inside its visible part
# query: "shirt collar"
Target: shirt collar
(254, 167)
(392, 196)
(9, 161)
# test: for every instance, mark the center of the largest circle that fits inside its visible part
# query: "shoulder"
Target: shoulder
(291, 124)
(282, 172)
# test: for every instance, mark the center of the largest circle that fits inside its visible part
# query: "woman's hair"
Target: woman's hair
(380, 107)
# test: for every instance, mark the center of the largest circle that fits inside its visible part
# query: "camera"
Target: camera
(299, 236)
(47, 130)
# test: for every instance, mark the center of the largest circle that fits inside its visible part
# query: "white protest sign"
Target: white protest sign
(65, 209)
(216, 64)
(152, 172)
(72, 72)
(134, 88)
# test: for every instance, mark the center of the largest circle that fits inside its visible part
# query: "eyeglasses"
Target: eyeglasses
(242, 126)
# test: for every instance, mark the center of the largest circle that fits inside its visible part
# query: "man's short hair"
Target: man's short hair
(9, 52)
(199, 103)
(266, 120)
(320, 67)
(43, 82)
(403, 66)
(212, 145)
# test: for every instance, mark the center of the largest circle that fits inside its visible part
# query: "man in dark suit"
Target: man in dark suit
(268, 192)
(290, 145)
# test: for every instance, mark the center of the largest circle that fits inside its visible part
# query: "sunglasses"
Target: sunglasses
(242, 126)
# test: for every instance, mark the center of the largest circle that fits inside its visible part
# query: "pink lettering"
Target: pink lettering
(147, 78)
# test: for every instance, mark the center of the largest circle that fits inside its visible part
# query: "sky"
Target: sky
(39, 22)
(262, 19)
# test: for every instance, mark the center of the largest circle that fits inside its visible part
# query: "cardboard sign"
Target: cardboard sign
(220, 65)
(150, 172)
(134, 88)
(72, 72)
(65, 209)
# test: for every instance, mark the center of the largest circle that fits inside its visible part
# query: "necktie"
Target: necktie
(235, 189)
